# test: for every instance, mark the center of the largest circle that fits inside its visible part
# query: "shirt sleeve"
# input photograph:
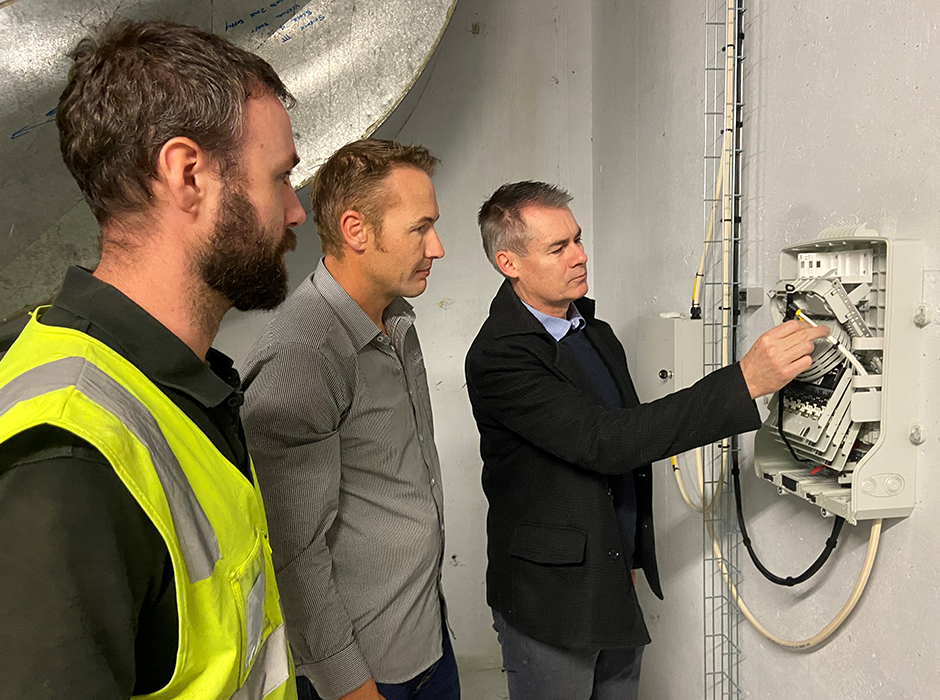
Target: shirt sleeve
(511, 385)
(79, 559)
(294, 404)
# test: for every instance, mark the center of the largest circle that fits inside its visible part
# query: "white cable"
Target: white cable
(833, 624)
(709, 233)
(835, 343)
(704, 507)
(724, 189)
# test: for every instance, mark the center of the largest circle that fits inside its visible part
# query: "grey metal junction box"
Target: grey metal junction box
(669, 356)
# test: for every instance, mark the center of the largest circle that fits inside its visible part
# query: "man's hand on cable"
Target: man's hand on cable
(366, 691)
(778, 356)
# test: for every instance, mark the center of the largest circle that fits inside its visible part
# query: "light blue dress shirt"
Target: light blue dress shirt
(558, 327)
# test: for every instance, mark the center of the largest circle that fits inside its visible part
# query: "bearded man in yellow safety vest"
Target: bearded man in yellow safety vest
(133, 544)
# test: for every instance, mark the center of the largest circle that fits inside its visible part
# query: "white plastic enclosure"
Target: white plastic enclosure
(852, 429)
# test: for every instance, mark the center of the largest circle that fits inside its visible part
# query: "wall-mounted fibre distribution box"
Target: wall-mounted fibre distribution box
(841, 435)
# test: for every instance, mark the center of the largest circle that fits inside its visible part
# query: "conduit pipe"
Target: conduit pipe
(724, 191)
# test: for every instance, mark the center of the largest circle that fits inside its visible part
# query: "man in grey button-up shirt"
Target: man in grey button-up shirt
(338, 419)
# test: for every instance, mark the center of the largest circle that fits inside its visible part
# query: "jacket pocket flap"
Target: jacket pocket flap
(543, 544)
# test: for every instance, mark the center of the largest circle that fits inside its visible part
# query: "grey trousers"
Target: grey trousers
(538, 671)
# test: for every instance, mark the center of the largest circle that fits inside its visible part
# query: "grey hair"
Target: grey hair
(500, 217)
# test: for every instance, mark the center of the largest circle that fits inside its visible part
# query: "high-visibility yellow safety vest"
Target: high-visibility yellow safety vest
(232, 643)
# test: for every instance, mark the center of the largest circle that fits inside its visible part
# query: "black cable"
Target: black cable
(736, 478)
(769, 575)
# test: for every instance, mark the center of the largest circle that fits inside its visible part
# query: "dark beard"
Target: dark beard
(240, 261)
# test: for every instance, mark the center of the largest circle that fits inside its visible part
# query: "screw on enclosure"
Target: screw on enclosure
(923, 315)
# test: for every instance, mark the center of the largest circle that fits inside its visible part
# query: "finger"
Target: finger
(798, 367)
(797, 351)
(805, 334)
(817, 332)
(774, 334)
(784, 329)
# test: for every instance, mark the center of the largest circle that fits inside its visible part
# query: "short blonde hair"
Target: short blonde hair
(353, 178)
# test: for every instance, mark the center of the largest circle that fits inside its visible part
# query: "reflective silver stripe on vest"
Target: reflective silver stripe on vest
(254, 616)
(195, 534)
(271, 669)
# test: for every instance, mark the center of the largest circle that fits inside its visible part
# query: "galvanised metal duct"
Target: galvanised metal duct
(348, 62)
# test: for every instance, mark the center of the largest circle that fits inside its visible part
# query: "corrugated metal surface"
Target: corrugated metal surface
(348, 62)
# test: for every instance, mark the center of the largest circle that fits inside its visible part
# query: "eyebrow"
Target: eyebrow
(294, 160)
(424, 220)
(562, 241)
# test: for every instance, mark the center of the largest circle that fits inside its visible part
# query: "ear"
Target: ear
(354, 230)
(185, 174)
(508, 264)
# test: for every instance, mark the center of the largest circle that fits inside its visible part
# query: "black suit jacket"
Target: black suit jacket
(555, 566)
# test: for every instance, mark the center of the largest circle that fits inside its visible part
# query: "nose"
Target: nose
(433, 247)
(580, 258)
(294, 214)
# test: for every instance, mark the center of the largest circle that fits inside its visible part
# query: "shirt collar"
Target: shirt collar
(398, 316)
(558, 327)
(129, 330)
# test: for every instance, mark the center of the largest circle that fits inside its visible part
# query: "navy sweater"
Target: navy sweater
(622, 488)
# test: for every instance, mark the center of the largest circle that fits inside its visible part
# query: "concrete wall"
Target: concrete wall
(509, 99)
(836, 133)
(841, 126)
(648, 145)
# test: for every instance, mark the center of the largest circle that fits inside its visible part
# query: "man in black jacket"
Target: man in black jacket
(567, 448)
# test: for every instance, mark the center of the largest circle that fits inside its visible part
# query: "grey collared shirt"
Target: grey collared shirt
(338, 419)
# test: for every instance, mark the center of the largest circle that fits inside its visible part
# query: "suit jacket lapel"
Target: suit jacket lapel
(514, 319)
